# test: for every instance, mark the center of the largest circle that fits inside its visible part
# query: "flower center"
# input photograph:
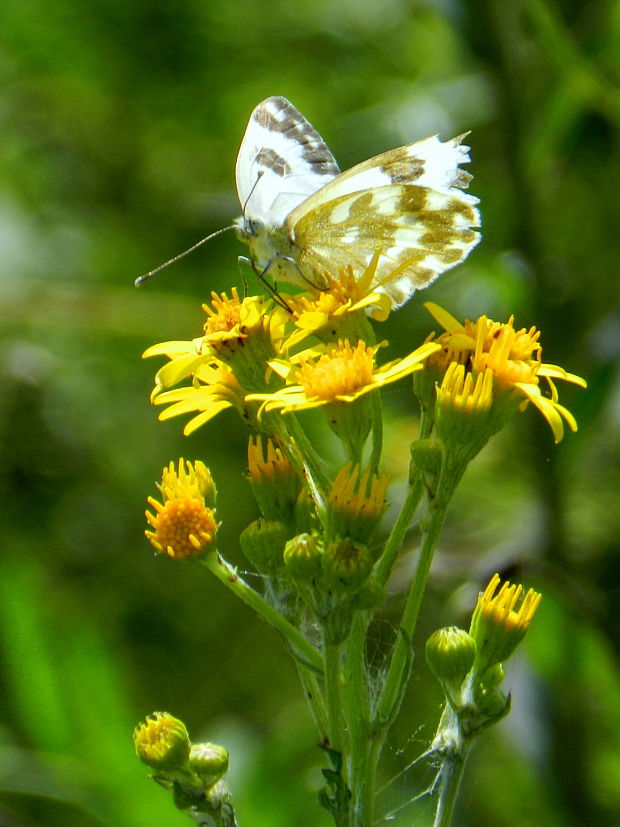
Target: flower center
(340, 373)
(183, 527)
(224, 313)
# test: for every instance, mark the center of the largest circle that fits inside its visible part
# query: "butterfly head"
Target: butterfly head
(248, 228)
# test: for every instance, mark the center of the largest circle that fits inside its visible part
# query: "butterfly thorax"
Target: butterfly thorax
(271, 249)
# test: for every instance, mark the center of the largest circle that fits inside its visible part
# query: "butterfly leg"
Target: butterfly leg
(302, 275)
(272, 289)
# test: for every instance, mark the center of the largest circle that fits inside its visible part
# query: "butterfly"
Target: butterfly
(303, 218)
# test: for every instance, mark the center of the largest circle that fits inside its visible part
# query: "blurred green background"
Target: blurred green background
(119, 128)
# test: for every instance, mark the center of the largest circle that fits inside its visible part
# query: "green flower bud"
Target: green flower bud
(274, 481)
(302, 557)
(427, 455)
(209, 761)
(426, 459)
(450, 653)
(490, 701)
(263, 544)
(162, 742)
(346, 565)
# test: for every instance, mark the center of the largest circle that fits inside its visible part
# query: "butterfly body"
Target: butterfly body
(303, 218)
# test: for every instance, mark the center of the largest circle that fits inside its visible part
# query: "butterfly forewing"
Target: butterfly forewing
(282, 160)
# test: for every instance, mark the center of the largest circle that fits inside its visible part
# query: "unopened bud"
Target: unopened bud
(263, 544)
(209, 761)
(450, 653)
(346, 564)
(302, 557)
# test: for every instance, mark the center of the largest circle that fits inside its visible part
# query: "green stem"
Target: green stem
(394, 542)
(332, 654)
(400, 663)
(357, 711)
(377, 431)
(302, 649)
(313, 693)
(303, 455)
(450, 777)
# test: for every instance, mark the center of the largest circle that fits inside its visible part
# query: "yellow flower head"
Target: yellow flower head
(460, 391)
(269, 468)
(224, 314)
(339, 309)
(240, 330)
(162, 742)
(337, 373)
(227, 362)
(500, 621)
(513, 358)
(184, 524)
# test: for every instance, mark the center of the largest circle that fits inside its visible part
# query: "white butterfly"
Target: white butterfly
(303, 218)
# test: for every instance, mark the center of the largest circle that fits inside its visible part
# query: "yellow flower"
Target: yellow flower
(512, 356)
(184, 525)
(253, 328)
(214, 389)
(228, 361)
(461, 392)
(340, 308)
(336, 373)
(499, 623)
(467, 414)
(186, 360)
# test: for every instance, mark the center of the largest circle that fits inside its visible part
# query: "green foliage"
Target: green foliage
(120, 127)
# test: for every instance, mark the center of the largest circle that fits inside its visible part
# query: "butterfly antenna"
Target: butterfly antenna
(245, 203)
(141, 279)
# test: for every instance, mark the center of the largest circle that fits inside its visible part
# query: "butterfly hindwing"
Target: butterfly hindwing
(419, 233)
(428, 163)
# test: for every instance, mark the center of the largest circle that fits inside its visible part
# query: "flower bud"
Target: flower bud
(209, 761)
(302, 557)
(490, 701)
(273, 479)
(450, 653)
(355, 504)
(346, 565)
(162, 742)
(426, 459)
(500, 620)
(263, 543)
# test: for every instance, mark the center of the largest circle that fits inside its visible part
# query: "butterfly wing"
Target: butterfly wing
(419, 232)
(430, 163)
(282, 160)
